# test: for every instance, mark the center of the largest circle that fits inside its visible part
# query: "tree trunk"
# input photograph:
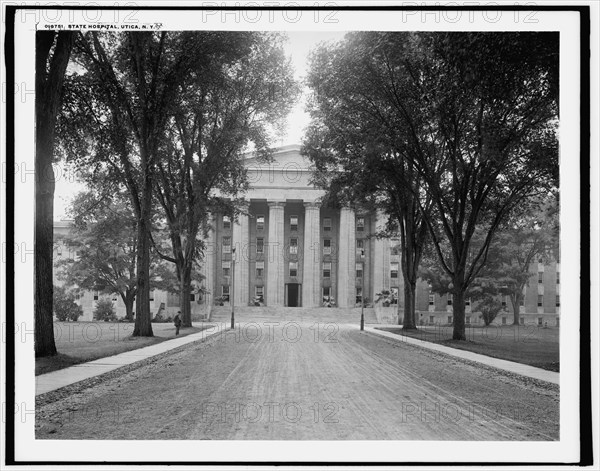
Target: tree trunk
(409, 306)
(185, 283)
(516, 303)
(458, 308)
(128, 299)
(48, 84)
(143, 316)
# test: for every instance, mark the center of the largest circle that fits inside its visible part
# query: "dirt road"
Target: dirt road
(306, 382)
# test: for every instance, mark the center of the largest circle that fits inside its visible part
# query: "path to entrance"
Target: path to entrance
(297, 381)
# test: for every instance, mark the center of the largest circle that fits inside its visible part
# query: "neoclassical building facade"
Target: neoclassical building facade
(286, 249)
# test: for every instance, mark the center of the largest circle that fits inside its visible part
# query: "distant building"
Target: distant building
(288, 250)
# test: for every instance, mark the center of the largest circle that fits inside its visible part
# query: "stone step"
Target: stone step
(267, 313)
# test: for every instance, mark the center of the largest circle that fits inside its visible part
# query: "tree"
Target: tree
(65, 307)
(527, 237)
(476, 116)
(220, 111)
(52, 51)
(105, 310)
(531, 234)
(104, 233)
(125, 91)
(358, 144)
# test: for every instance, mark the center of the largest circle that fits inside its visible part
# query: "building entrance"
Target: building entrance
(292, 294)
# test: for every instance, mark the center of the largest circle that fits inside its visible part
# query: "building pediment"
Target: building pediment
(284, 158)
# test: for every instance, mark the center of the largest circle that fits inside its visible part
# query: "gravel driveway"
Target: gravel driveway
(297, 381)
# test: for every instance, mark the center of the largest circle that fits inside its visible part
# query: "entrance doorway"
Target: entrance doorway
(293, 292)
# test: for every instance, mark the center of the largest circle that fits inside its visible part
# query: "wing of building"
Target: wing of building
(288, 250)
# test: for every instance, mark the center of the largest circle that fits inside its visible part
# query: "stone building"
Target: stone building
(286, 249)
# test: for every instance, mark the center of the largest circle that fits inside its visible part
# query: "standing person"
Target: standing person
(177, 322)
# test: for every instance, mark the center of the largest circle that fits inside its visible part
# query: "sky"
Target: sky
(297, 48)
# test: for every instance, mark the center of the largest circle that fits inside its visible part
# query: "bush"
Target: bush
(489, 308)
(105, 311)
(65, 307)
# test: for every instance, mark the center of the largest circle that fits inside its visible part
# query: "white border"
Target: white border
(566, 450)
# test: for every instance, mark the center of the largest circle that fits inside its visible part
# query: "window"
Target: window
(522, 302)
(192, 297)
(432, 319)
(260, 268)
(151, 295)
(294, 246)
(226, 222)
(503, 320)
(259, 292)
(226, 265)
(558, 322)
(359, 270)
(467, 302)
(114, 298)
(522, 320)
(431, 299)
(468, 319)
(558, 278)
(394, 270)
(558, 300)
(260, 222)
(260, 245)
(96, 295)
(326, 224)
(540, 321)
(226, 244)
(326, 292)
(503, 301)
(59, 250)
(326, 269)
(359, 295)
(360, 243)
(293, 268)
(326, 246)
(293, 223)
(225, 292)
(449, 319)
(540, 277)
(540, 300)
(449, 300)
(360, 224)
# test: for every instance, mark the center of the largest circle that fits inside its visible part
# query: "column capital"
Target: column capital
(276, 204)
(312, 205)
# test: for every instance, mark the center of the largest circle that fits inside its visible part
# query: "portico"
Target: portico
(289, 250)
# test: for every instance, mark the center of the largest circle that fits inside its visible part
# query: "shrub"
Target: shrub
(65, 307)
(105, 311)
(489, 308)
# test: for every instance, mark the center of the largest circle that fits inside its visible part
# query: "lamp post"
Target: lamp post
(232, 294)
(362, 297)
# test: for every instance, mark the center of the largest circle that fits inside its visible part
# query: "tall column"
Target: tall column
(240, 241)
(380, 264)
(208, 268)
(311, 286)
(275, 262)
(347, 259)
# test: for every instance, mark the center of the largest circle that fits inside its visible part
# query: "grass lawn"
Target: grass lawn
(78, 342)
(529, 344)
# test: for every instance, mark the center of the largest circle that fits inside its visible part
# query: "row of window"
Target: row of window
(293, 245)
(293, 222)
(540, 300)
(540, 320)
